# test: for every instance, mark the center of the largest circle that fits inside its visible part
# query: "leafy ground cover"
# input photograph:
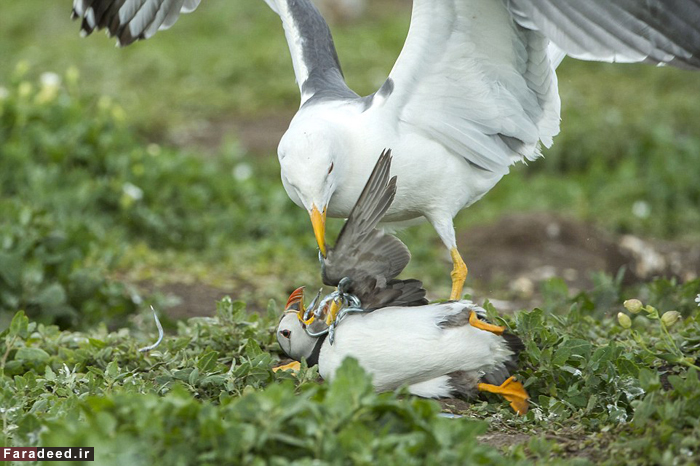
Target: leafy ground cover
(79, 191)
(600, 393)
(98, 197)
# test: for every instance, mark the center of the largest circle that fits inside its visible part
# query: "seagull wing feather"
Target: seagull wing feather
(473, 80)
(314, 58)
(477, 76)
(653, 31)
(130, 20)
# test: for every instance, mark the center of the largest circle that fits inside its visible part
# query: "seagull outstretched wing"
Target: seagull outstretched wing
(474, 81)
(130, 20)
(315, 60)
(651, 31)
(368, 257)
(477, 76)
(316, 65)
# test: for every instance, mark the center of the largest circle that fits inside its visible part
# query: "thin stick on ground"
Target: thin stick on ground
(160, 334)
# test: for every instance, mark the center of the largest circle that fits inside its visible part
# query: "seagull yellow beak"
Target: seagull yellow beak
(318, 221)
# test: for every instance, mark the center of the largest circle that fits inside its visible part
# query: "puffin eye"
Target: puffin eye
(285, 333)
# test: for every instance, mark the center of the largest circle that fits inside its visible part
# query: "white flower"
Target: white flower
(50, 84)
(242, 171)
(641, 209)
(133, 191)
(153, 150)
(697, 300)
(50, 79)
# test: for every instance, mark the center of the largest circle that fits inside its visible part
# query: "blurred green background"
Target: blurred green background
(152, 168)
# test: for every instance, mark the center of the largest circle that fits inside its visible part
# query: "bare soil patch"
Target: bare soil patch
(258, 135)
(520, 251)
(513, 256)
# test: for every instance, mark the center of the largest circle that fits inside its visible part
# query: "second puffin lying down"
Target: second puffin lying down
(438, 350)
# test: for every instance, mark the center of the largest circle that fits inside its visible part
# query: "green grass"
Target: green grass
(601, 394)
(227, 59)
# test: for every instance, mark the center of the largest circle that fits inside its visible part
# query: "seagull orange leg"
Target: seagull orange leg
(511, 390)
(475, 322)
(459, 274)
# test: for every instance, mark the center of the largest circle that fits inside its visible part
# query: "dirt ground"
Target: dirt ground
(514, 255)
(520, 251)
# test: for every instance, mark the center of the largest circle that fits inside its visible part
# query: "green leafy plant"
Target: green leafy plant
(666, 347)
(212, 382)
(79, 189)
(597, 395)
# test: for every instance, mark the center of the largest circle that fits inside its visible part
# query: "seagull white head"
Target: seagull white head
(311, 158)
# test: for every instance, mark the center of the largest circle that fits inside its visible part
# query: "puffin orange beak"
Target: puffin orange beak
(318, 221)
(295, 303)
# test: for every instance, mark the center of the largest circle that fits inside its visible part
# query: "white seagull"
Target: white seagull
(473, 92)
(437, 350)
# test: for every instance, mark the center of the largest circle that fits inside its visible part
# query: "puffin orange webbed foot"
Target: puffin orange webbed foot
(511, 390)
(475, 322)
(293, 366)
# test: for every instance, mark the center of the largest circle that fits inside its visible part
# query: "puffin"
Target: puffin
(439, 350)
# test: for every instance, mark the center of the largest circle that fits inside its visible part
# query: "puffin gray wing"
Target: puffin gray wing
(130, 20)
(368, 257)
(652, 31)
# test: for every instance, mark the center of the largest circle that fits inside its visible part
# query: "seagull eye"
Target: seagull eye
(285, 333)
(330, 169)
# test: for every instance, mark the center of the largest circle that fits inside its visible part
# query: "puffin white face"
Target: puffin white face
(309, 156)
(291, 331)
(293, 339)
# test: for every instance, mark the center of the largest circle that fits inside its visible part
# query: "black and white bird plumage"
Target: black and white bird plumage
(432, 349)
(400, 339)
(130, 20)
